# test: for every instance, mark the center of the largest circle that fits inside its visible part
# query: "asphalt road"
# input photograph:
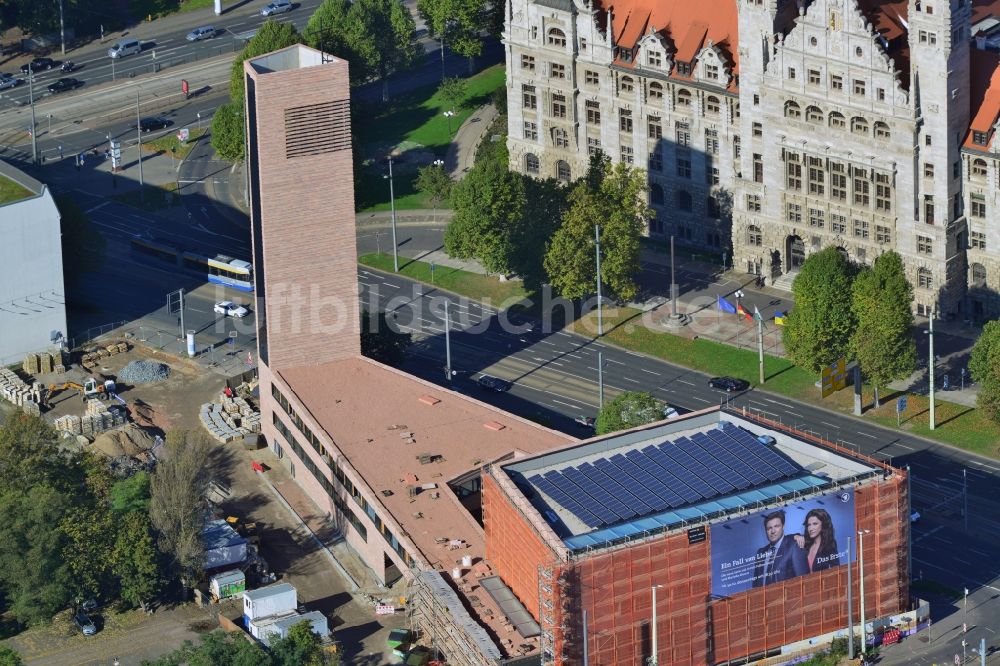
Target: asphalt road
(554, 379)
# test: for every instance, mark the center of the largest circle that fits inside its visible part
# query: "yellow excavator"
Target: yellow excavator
(90, 388)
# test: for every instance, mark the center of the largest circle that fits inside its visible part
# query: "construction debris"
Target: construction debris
(231, 419)
(144, 372)
(128, 441)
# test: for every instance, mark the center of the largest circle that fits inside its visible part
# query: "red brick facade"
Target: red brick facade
(693, 629)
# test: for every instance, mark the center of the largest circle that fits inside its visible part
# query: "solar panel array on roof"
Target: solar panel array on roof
(665, 476)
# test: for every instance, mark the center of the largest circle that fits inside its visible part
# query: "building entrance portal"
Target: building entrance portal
(795, 250)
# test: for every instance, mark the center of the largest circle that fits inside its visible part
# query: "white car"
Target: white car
(230, 309)
(276, 7)
(198, 34)
(670, 412)
(8, 82)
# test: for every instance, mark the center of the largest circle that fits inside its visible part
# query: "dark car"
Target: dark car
(154, 123)
(85, 624)
(728, 384)
(62, 85)
(494, 383)
(38, 65)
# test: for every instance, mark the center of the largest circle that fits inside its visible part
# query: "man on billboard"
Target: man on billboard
(781, 558)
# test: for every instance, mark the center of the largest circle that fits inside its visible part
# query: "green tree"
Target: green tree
(30, 456)
(488, 203)
(90, 534)
(452, 92)
(131, 494)
(629, 410)
(381, 341)
(300, 648)
(229, 132)
(984, 366)
(177, 505)
(545, 205)
(456, 22)
(818, 329)
(380, 35)
(434, 182)
(614, 198)
(327, 29)
(883, 337)
(35, 576)
(216, 649)
(9, 657)
(134, 559)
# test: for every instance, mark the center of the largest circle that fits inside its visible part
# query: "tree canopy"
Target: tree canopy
(300, 648)
(984, 366)
(457, 22)
(628, 410)
(612, 196)
(883, 336)
(818, 329)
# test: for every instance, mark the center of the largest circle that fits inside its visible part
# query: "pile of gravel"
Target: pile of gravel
(144, 372)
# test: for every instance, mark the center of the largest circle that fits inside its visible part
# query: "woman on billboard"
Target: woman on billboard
(819, 541)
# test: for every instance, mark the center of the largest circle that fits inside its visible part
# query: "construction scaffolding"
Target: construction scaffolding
(449, 630)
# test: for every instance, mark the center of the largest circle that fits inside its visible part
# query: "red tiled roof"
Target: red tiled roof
(984, 94)
(695, 37)
(676, 19)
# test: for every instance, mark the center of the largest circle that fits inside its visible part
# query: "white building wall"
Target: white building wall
(32, 294)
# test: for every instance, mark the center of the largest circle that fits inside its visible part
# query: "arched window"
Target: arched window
(925, 278)
(837, 120)
(814, 115)
(655, 90)
(656, 195)
(859, 125)
(978, 168)
(754, 237)
(557, 37)
(882, 131)
(627, 84)
(562, 170)
(683, 98)
(531, 163)
(792, 110)
(712, 105)
(978, 275)
(683, 199)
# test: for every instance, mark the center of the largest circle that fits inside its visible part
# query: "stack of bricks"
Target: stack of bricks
(45, 363)
(13, 389)
(30, 364)
(231, 419)
(90, 359)
(98, 419)
(69, 423)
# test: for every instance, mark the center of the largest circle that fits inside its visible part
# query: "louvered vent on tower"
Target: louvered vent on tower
(317, 129)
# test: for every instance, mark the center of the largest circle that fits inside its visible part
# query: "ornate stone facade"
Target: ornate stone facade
(771, 129)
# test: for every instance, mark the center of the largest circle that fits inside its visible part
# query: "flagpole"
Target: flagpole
(760, 342)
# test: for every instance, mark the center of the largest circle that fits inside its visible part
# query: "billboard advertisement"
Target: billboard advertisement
(782, 543)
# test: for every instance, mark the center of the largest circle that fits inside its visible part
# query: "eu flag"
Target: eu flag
(725, 305)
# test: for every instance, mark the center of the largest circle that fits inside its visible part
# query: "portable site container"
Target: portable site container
(268, 601)
(227, 584)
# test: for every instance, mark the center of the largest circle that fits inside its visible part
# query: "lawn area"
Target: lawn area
(11, 191)
(171, 145)
(145, 9)
(415, 125)
(482, 288)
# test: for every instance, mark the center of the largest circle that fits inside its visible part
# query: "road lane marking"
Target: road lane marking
(681, 381)
(629, 379)
(566, 403)
(829, 424)
(864, 434)
(651, 372)
(98, 206)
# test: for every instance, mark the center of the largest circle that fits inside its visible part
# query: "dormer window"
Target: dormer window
(712, 72)
(654, 59)
(979, 138)
(625, 54)
(684, 68)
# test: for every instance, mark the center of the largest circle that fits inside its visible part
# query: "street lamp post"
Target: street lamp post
(850, 604)
(930, 364)
(654, 658)
(199, 120)
(673, 282)
(600, 314)
(448, 115)
(600, 380)
(965, 612)
(62, 29)
(861, 587)
(138, 134)
(439, 164)
(31, 102)
(447, 341)
(392, 205)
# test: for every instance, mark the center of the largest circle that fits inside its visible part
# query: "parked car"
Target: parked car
(728, 384)
(204, 32)
(8, 81)
(154, 123)
(494, 383)
(276, 7)
(588, 422)
(230, 309)
(38, 65)
(64, 84)
(85, 624)
(670, 412)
